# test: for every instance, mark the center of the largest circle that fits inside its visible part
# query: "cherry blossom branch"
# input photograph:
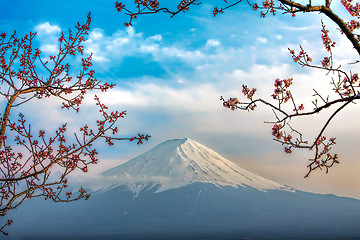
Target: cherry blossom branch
(27, 171)
(145, 7)
(346, 88)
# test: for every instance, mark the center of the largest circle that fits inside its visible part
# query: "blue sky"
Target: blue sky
(171, 72)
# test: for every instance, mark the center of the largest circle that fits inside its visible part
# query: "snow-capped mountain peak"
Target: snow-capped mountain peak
(180, 162)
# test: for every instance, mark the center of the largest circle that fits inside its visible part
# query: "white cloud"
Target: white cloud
(182, 54)
(120, 44)
(261, 40)
(137, 97)
(50, 48)
(149, 48)
(47, 28)
(212, 43)
(130, 31)
(193, 98)
(156, 37)
(181, 81)
(112, 49)
(291, 28)
(279, 37)
(96, 34)
(48, 36)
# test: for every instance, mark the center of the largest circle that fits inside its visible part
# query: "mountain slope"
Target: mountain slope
(180, 162)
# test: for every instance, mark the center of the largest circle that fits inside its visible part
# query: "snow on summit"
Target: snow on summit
(180, 162)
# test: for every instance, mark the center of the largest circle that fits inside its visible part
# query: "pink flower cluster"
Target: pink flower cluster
(328, 43)
(276, 131)
(281, 91)
(352, 25)
(302, 55)
(154, 4)
(119, 6)
(353, 10)
(231, 103)
(269, 7)
(268, 4)
(288, 150)
(348, 85)
(326, 62)
(216, 11)
(184, 5)
(247, 92)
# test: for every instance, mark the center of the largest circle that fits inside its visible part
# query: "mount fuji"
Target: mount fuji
(181, 189)
(181, 162)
